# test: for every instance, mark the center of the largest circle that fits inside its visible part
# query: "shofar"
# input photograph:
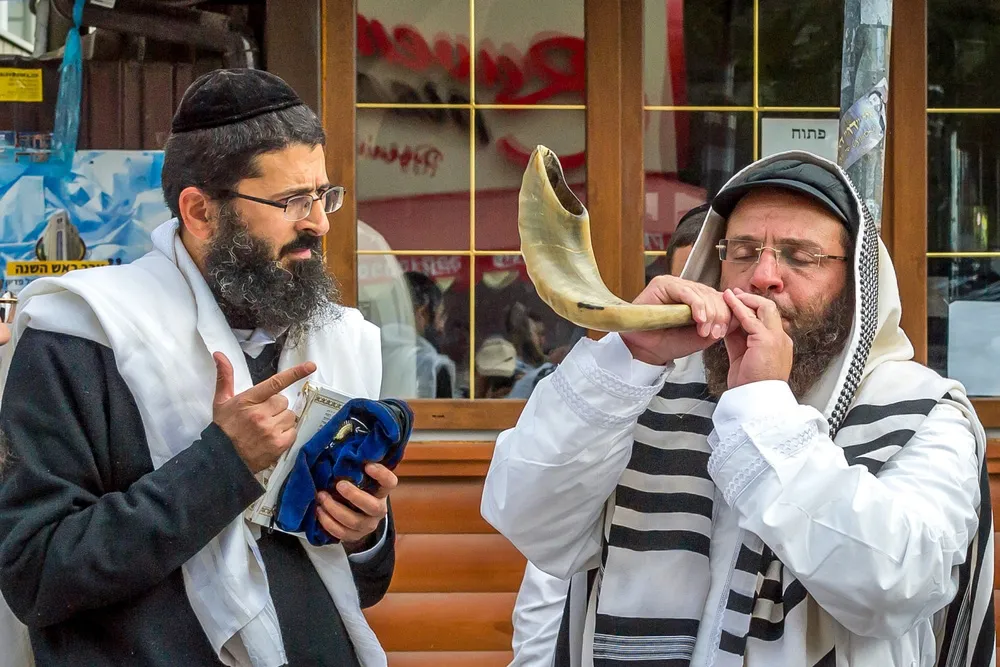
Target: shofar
(555, 241)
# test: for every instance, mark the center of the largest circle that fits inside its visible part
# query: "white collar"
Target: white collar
(253, 341)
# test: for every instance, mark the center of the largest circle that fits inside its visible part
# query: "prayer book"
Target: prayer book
(315, 405)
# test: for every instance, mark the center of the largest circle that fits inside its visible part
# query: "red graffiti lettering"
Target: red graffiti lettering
(422, 160)
(510, 71)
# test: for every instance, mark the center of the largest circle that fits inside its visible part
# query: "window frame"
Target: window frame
(614, 122)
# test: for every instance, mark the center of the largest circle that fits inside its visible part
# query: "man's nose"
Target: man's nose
(767, 273)
(316, 222)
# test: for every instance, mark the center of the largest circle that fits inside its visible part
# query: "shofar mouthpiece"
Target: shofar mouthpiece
(555, 241)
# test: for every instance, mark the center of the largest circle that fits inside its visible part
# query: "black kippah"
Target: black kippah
(226, 96)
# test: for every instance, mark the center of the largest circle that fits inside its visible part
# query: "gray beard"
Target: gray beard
(254, 290)
(818, 337)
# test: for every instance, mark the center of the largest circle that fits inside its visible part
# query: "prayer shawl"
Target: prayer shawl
(874, 398)
(161, 320)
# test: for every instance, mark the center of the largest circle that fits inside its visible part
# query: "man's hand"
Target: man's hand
(712, 318)
(345, 524)
(759, 349)
(258, 421)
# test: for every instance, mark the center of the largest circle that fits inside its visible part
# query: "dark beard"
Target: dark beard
(254, 290)
(817, 337)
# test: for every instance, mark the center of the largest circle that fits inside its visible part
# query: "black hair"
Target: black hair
(686, 232)
(216, 159)
(424, 292)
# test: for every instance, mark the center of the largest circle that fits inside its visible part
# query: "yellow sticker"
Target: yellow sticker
(20, 85)
(35, 269)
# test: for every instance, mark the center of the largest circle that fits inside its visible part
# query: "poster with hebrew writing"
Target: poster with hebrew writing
(102, 212)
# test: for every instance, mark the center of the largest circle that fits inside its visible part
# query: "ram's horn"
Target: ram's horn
(555, 241)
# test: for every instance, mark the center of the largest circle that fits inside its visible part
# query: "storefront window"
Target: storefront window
(963, 190)
(726, 82)
(443, 140)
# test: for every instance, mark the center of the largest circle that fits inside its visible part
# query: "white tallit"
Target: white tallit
(161, 320)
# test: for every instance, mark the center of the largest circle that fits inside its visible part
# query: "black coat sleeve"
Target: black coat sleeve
(373, 577)
(74, 535)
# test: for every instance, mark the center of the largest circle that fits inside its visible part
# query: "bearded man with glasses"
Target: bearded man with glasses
(798, 491)
(141, 404)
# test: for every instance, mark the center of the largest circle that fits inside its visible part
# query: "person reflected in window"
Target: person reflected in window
(496, 363)
(435, 371)
(526, 331)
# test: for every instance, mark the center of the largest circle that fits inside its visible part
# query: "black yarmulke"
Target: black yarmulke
(227, 96)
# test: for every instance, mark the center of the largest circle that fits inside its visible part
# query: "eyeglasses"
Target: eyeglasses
(8, 302)
(747, 251)
(300, 206)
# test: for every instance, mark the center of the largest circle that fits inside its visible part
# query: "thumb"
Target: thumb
(736, 345)
(223, 379)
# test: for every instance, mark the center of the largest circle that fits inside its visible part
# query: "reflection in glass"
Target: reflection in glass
(800, 46)
(519, 339)
(949, 283)
(421, 305)
(530, 52)
(413, 52)
(413, 180)
(688, 157)
(500, 166)
(963, 182)
(963, 47)
(698, 53)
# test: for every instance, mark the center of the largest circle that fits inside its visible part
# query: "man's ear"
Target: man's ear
(198, 213)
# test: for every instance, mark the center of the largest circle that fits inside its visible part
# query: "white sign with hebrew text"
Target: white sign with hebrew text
(816, 135)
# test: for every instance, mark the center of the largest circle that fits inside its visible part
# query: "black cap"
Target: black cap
(226, 96)
(809, 179)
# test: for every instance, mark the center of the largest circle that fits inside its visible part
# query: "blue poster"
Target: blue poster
(101, 212)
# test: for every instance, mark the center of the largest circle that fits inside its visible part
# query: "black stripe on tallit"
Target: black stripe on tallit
(658, 540)
(730, 643)
(770, 590)
(623, 626)
(828, 660)
(869, 414)
(986, 643)
(698, 390)
(670, 422)
(609, 662)
(654, 461)
(748, 560)
(739, 602)
(764, 630)
(892, 439)
(656, 503)
(793, 595)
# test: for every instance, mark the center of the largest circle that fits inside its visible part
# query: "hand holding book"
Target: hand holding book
(361, 433)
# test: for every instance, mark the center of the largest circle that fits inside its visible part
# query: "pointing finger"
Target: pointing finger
(279, 382)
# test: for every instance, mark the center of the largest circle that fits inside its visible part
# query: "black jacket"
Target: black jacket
(92, 539)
